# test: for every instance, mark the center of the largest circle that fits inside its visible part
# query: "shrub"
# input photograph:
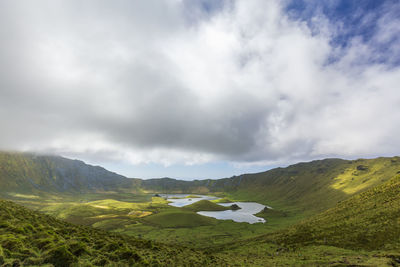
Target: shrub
(44, 243)
(12, 244)
(77, 248)
(32, 261)
(129, 255)
(101, 261)
(60, 257)
(1, 255)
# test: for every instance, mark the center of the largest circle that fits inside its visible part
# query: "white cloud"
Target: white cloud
(140, 82)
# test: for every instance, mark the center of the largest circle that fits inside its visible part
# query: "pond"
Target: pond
(245, 214)
(180, 200)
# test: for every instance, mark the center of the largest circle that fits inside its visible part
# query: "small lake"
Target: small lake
(180, 200)
(245, 214)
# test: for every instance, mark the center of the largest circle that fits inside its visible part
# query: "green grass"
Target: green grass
(31, 238)
(27, 174)
(328, 212)
(270, 254)
(205, 205)
(192, 196)
(307, 188)
(363, 230)
(370, 220)
(222, 200)
(220, 232)
(178, 218)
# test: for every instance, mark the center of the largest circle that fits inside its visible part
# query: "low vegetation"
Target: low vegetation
(369, 221)
(328, 212)
(205, 205)
(31, 238)
(222, 200)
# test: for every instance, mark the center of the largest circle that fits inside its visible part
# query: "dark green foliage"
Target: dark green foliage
(1, 255)
(235, 207)
(78, 248)
(59, 257)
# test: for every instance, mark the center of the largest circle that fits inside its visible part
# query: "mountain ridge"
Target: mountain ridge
(332, 207)
(294, 187)
(28, 172)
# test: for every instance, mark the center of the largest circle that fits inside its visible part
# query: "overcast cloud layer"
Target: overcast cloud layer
(173, 82)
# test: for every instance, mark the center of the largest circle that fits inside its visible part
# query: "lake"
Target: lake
(245, 214)
(180, 200)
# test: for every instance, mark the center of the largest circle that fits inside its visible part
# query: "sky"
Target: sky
(196, 89)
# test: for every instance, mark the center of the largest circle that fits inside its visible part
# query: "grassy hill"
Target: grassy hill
(31, 238)
(205, 205)
(30, 173)
(303, 188)
(177, 218)
(308, 188)
(370, 220)
(325, 212)
(363, 230)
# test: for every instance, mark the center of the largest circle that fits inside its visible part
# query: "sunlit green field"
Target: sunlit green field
(148, 217)
(351, 218)
(151, 218)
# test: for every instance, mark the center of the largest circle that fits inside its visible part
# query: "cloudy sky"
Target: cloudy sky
(200, 88)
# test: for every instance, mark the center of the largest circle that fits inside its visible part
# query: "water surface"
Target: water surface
(245, 214)
(182, 201)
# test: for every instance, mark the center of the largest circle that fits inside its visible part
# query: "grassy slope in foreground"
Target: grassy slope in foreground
(31, 238)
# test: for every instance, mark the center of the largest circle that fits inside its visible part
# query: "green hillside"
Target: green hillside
(31, 173)
(325, 212)
(363, 230)
(205, 205)
(31, 238)
(178, 218)
(370, 220)
(303, 188)
(309, 187)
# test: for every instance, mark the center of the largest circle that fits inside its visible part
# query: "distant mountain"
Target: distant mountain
(21, 172)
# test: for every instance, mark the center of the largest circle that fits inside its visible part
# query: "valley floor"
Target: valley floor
(236, 244)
